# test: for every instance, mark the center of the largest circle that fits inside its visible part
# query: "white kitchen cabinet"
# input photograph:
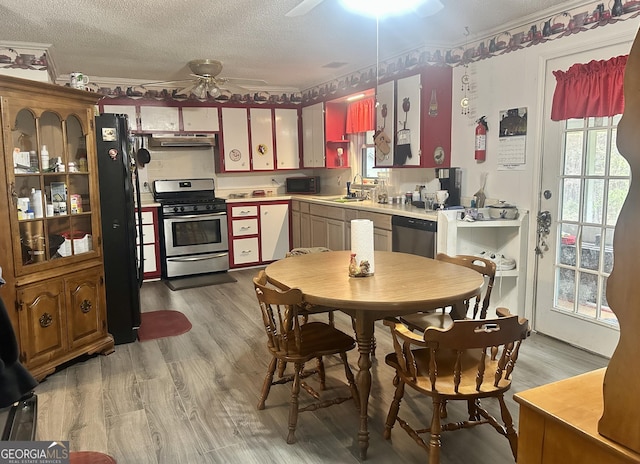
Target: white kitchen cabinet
(200, 119)
(150, 243)
(274, 231)
(243, 234)
(262, 154)
(408, 87)
(129, 110)
(259, 232)
(235, 139)
(313, 141)
(287, 139)
(160, 118)
(499, 237)
(385, 96)
(245, 251)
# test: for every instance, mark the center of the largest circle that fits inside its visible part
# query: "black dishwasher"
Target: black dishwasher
(414, 236)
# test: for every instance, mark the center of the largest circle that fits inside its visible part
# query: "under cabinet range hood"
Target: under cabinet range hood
(177, 141)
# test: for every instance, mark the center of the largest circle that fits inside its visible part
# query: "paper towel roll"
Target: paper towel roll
(362, 242)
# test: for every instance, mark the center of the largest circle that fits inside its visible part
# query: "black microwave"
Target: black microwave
(303, 184)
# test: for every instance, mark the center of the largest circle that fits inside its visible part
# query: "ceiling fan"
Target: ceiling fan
(206, 80)
(423, 8)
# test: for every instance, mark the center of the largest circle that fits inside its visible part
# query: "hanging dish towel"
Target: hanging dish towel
(403, 138)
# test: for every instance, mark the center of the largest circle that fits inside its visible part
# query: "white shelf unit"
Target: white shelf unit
(500, 236)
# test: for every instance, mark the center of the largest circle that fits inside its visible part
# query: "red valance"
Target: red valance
(360, 116)
(589, 90)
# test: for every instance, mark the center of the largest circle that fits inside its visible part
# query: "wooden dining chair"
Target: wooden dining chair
(469, 361)
(479, 302)
(290, 341)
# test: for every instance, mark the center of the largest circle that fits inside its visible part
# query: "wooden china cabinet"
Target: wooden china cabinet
(50, 248)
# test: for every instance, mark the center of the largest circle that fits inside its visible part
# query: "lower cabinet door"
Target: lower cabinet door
(150, 266)
(42, 321)
(85, 308)
(245, 250)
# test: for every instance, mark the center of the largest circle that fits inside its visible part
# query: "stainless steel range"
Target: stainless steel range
(194, 227)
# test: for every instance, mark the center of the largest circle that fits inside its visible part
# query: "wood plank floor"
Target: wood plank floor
(192, 398)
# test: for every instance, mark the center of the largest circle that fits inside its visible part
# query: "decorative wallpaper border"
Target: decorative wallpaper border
(580, 19)
(564, 24)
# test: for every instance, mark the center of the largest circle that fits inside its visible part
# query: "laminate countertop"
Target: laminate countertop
(330, 200)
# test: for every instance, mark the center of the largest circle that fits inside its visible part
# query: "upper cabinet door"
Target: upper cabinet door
(287, 141)
(436, 117)
(160, 118)
(235, 139)
(129, 110)
(262, 154)
(385, 115)
(313, 136)
(407, 143)
(200, 119)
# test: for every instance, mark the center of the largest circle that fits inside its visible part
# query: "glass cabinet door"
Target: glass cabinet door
(51, 188)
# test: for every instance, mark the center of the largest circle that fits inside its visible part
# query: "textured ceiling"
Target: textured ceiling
(153, 40)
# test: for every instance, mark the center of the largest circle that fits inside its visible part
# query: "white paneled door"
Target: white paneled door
(584, 184)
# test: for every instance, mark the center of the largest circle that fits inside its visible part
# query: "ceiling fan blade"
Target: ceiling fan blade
(241, 81)
(303, 8)
(187, 90)
(165, 82)
(233, 88)
(429, 8)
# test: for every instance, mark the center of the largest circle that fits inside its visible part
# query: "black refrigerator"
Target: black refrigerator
(122, 257)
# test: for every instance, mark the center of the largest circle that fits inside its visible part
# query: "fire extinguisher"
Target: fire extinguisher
(481, 139)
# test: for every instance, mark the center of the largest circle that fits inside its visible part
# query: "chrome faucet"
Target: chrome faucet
(361, 182)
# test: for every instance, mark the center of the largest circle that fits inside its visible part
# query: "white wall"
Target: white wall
(513, 80)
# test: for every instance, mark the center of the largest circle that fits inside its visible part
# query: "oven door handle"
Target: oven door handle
(197, 216)
(196, 258)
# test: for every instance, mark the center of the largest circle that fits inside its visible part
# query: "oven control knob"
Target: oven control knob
(195, 208)
(175, 209)
(182, 208)
(208, 206)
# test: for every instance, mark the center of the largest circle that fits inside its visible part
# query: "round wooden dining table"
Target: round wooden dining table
(401, 284)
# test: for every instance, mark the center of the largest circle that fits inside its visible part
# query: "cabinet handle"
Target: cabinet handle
(45, 320)
(245, 228)
(85, 306)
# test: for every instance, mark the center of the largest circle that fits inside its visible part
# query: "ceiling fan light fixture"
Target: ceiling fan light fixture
(214, 91)
(382, 8)
(200, 90)
(205, 67)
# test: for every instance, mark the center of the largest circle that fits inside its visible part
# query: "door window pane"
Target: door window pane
(565, 288)
(573, 153)
(588, 295)
(596, 152)
(590, 248)
(570, 200)
(593, 202)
